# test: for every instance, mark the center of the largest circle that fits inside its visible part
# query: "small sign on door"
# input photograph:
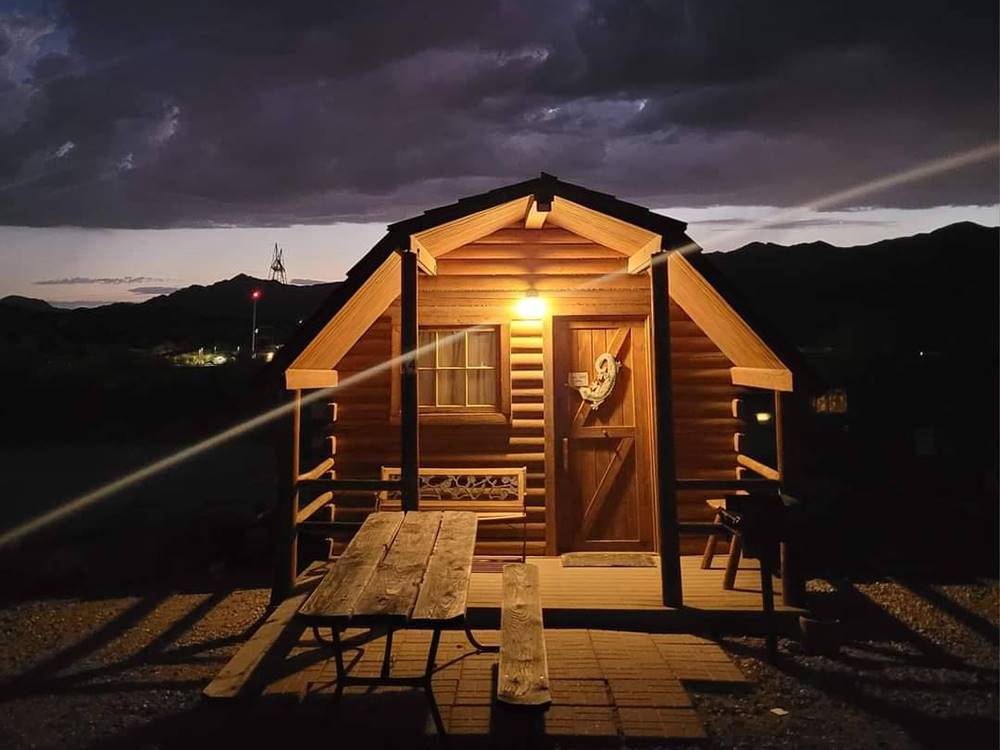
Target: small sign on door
(579, 379)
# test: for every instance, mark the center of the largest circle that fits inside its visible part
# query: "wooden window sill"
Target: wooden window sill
(459, 417)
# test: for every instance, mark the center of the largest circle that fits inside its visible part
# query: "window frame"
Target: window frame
(498, 413)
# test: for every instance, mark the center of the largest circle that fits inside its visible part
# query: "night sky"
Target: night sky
(219, 125)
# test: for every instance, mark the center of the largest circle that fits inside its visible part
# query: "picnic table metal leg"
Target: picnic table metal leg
(387, 656)
(338, 658)
(320, 638)
(475, 643)
(429, 684)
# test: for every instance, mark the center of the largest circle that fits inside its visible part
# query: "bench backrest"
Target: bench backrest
(484, 490)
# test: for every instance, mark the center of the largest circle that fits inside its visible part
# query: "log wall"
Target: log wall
(481, 283)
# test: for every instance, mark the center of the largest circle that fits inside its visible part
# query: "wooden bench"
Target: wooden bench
(494, 494)
(523, 671)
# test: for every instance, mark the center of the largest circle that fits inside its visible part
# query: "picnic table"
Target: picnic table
(401, 570)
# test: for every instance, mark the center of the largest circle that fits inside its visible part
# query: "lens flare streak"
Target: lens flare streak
(921, 172)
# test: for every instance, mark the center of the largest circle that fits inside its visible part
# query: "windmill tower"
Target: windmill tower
(278, 266)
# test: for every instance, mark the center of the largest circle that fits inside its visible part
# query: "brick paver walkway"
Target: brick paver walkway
(605, 684)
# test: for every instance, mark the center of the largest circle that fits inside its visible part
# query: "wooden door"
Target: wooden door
(604, 489)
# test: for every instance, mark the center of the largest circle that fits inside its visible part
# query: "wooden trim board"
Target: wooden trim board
(774, 379)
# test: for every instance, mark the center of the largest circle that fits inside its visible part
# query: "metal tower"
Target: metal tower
(278, 266)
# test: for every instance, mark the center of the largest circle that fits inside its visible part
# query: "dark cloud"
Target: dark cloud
(813, 223)
(156, 290)
(791, 223)
(99, 280)
(73, 304)
(735, 221)
(200, 113)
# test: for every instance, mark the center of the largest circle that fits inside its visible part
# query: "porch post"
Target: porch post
(666, 469)
(287, 507)
(409, 462)
(788, 444)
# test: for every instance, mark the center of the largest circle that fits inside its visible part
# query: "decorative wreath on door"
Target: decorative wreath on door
(606, 367)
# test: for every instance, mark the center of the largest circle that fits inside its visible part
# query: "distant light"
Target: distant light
(255, 295)
(268, 356)
(763, 417)
(531, 307)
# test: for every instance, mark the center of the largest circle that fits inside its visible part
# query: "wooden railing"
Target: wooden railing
(314, 479)
(760, 468)
(318, 471)
(726, 484)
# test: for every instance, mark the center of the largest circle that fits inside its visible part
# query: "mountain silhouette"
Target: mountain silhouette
(197, 316)
(933, 292)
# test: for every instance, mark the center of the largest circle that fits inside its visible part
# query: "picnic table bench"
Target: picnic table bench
(401, 570)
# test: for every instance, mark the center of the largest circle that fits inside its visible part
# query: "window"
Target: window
(463, 371)
(458, 369)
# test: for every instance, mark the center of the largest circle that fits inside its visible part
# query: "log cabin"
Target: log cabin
(566, 363)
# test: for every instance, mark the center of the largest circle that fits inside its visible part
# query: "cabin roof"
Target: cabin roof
(547, 186)
(671, 236)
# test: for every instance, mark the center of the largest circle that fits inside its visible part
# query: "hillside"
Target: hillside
(196, 316)
(934, 292)
(29, 304)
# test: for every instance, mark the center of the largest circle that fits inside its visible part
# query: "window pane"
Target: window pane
(451, 387)
(425, 387)
(425, 342)
(482, 349)
(482, 387)
(451, 349)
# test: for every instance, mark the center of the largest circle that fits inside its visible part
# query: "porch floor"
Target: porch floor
(630, 598)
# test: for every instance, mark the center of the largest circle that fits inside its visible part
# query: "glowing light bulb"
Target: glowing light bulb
(531, 307)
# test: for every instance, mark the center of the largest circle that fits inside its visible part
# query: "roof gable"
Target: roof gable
(477, 222)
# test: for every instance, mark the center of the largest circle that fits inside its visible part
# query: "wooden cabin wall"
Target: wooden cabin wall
(704, 426)
(481, 283)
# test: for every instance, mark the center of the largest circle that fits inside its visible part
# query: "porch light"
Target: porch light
(531, 307)
(763, 417)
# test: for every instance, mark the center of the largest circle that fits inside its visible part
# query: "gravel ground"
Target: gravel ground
(919, 670)
(85, 673)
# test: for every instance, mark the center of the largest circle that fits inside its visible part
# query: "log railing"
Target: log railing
(318, 471)
(314, 479)
(759, 468)
(727, 484)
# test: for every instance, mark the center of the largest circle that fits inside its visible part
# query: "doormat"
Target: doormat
(609, 560)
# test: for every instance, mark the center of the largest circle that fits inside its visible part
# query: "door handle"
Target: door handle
(565, 453)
